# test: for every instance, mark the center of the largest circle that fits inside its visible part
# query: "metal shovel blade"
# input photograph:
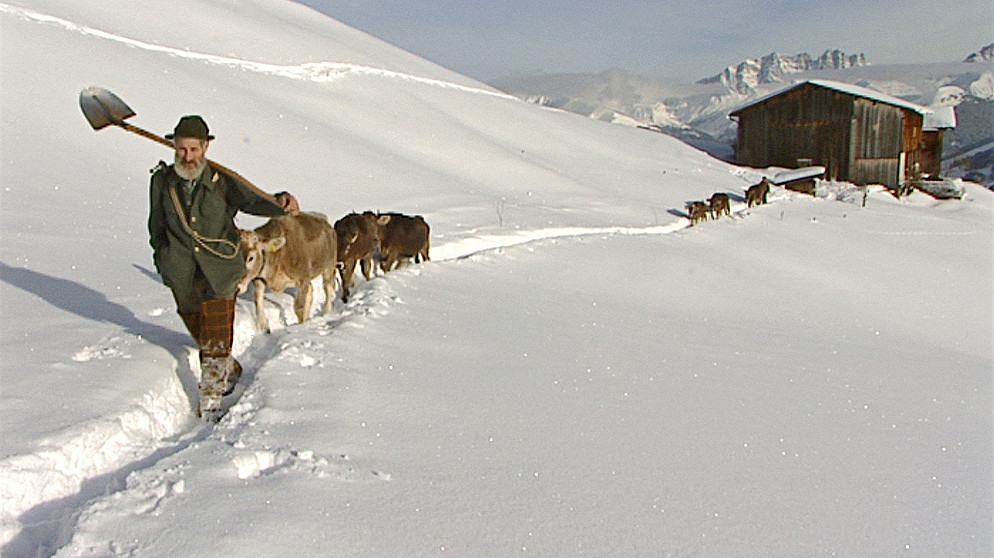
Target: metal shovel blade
(103, 108)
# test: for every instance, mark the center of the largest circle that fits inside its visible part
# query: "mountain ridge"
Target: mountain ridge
(747, 75)
(985, 54)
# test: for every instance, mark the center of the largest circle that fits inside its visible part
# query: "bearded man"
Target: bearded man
(195, 242)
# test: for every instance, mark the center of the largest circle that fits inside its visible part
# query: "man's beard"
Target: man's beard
(189, 171)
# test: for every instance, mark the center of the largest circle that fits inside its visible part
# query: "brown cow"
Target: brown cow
(290, 251)
(698, 211)
(719, 204)
(402, 238)
(357, 235)
(756, 194)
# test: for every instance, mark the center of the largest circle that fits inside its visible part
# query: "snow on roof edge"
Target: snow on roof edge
(848, 88)
(940, 117)
(783, 177)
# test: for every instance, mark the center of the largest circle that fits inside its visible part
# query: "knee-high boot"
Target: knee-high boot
(192, 322)
(217, 318)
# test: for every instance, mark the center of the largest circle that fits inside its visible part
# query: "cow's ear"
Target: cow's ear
(275, 244)
(383, 220)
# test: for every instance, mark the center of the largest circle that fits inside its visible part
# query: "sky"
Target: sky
(684, 40)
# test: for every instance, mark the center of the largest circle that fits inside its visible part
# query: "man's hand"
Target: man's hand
(288, 203)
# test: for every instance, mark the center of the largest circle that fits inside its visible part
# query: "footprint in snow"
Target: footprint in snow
(112, 347)
(253, 463)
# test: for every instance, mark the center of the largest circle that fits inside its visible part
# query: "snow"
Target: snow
(576, 372)
(783, 177)
(983, 87)
(848, 88)
(940, 117)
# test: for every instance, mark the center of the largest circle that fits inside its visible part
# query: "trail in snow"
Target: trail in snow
(92, 459)
(114, 442)
(320, 72)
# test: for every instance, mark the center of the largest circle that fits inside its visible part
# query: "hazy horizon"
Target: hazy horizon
(683, 40)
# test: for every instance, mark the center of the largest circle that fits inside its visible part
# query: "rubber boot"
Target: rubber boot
(217, 318)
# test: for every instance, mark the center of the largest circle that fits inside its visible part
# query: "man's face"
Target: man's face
(190, 151)
(191, 156)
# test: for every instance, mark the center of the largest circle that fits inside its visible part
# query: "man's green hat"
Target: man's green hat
(191, 126)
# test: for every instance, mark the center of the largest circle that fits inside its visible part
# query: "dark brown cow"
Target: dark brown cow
(719, 204)
(290, 251)
(357, 235)
(402, 238)
(756, 194)
(698, 211)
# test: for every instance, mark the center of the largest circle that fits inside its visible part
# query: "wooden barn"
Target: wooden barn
(857, 134)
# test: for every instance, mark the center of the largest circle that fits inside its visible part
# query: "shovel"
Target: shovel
(103, 108)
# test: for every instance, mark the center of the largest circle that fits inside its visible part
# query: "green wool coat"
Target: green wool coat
(210, 211)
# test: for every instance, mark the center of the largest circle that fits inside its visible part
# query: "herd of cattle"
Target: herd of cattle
(719, 203)
(294, 250)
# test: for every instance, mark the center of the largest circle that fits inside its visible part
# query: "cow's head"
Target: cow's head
(256, 250)
(345, 241)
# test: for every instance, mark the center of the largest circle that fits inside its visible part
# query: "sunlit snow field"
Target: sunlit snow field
(575, 373)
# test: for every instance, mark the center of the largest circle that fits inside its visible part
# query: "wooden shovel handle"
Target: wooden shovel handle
(103, 108)
(214, 164)
(146, 134)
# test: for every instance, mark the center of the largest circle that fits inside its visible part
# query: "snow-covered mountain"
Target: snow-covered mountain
(607, 96)
(775, 67)
(619, 97)
(985, 54)
(698, 113)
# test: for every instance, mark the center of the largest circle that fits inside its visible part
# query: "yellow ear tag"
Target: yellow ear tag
(272, 247)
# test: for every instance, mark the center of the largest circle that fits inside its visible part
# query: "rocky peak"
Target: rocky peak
(774, 67)
(985, 54)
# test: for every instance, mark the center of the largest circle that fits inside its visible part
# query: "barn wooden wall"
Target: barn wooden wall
(855, 139)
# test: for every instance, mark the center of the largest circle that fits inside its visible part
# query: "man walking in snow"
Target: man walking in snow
(192, 232)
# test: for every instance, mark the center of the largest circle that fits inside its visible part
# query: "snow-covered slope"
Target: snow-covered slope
(574, 372)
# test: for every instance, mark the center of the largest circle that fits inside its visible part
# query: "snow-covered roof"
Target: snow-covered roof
(940, 117)
(797, 174)
(848, 88)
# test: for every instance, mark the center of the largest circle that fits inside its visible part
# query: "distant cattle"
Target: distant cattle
(697, 211)
(756, 194)
(402, 238)
(290, 251)
(719, 204)
(357, 234)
